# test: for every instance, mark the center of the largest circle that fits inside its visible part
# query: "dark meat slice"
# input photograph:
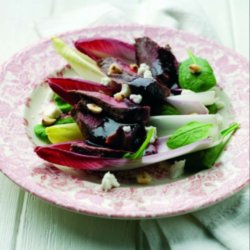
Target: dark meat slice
(125, 111)
(87, 148)
(131, 140)
(107, 132)
(106, 63)
(63, 86)
(86, 122)
(149, 88)
(162, 62)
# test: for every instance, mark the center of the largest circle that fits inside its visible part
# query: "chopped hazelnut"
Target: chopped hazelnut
(114, 69)
(194, 68)
(94, 108)
(143, 178)
(47, 121)
(119, 97)
(125, 92)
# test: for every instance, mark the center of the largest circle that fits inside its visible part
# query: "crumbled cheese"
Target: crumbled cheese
(126, 129)
(154, 137)
(147, 74)
(52, 111)
(108, 182)
(135, 98)
(142, 68)
(105, 81)
(177, 169)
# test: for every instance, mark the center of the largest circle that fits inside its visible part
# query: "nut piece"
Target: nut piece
(114, 69)
(125, 92)
(94, 108)
(194, 68)
(47, 121)
(119, 97)
(143, 178)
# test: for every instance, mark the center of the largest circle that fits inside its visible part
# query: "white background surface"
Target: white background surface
(29, 223)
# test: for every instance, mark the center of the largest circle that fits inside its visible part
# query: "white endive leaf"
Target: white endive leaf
(167, 124)
(83, 65)
(187, 107)
(205, 98)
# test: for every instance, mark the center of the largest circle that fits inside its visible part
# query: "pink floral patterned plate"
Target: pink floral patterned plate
(22, 93)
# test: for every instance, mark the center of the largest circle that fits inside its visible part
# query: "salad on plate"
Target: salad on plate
(132, 105)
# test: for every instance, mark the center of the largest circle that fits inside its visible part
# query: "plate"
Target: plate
(22, 85)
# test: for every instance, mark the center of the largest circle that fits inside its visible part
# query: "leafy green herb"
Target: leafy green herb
(213, 109)
(206, 158)
(61, 104)
(39, 131)
(196, 74)
(139, 153)
(189, 133)
(168, 109)
(65, 120)
(230, 130)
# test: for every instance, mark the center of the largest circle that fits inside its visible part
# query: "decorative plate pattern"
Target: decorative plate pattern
(79, 191)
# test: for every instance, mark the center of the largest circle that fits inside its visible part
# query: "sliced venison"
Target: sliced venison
(88, 148)
(162, 62)
(107, 132)
(124, 111)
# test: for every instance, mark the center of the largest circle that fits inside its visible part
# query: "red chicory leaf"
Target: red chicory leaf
(60, 154)
(98, 48)
(63, 86)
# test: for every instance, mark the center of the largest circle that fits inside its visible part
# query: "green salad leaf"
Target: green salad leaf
(196, 74)
(212, 109)
(189, 133)
(230, 130)
(168, 109)
(139, 153)
(61, 104)
(40, 132)
(65, 120)
(206, 158)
